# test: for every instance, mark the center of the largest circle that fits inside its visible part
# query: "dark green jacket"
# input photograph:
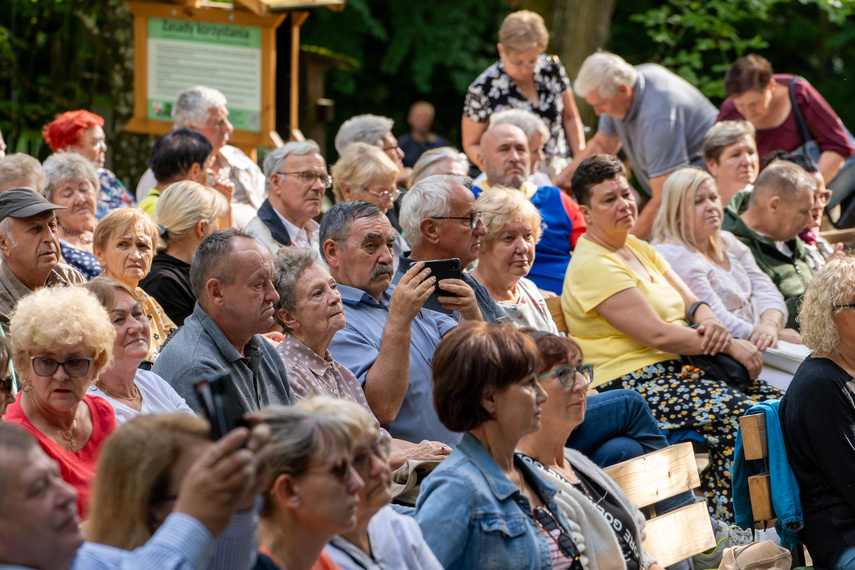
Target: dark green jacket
(790, 275)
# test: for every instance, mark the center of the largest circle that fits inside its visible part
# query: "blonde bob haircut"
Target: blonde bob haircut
(359, 166)
(675, 220)
(831, 286)
(522, 31)
(499, 206)
(121, 221)
(54, 317)
(355, 417)
(183, 205)
(133, 475)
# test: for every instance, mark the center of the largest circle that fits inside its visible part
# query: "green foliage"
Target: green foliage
(406, 51)
(700, 39)
(696, 38)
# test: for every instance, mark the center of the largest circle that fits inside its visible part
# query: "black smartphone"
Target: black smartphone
(444, 269)
(219, 402)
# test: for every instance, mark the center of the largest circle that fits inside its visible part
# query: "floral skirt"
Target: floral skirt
(707, 406)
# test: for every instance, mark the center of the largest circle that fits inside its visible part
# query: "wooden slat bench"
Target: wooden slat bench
(679, 534)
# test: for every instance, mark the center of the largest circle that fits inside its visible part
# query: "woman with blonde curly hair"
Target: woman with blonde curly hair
(62, 339)
(818, 416)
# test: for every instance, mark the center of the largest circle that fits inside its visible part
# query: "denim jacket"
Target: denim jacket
(472, 516)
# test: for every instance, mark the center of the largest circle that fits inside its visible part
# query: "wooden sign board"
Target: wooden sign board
(180, 46)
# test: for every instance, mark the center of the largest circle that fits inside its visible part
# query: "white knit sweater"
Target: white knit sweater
(593, 535)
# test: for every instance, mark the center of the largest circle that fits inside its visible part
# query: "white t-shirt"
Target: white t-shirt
(158, 397)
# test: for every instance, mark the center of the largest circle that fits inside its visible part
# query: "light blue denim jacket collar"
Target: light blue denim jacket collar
(500, 485)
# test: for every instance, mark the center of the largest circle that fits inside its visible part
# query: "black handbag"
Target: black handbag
(722, 366)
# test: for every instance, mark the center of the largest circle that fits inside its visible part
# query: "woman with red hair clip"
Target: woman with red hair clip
(81, 132)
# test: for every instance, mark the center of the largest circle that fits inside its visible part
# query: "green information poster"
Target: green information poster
(227, 57)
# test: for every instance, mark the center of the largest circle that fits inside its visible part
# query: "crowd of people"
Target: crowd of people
(384, 379)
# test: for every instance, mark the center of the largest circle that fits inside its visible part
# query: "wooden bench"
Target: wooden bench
(554, 306)
(752, 429)
(679, 534)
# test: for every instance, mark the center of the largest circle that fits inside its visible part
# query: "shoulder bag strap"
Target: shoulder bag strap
(803, 130)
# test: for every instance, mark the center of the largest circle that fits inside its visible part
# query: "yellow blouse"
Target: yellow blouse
(595, 274)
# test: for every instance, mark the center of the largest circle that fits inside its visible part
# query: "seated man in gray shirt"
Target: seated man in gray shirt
(231, 278)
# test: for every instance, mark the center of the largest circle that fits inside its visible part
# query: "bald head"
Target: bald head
(781, 202)
(784, 179)
(505, 156)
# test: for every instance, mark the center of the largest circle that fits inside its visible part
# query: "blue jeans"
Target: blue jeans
(619, 426)
(846, 560)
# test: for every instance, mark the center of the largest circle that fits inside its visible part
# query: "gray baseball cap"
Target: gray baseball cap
(23, 203)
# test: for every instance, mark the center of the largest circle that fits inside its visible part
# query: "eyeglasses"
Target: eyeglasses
(308, 177)
(394, 147)
(74, 367)
(391, 194)
(567, 374)
(850, 305)
(381, 449)
(473, 219)
(546, 522)
(339, 469)
(824, 197)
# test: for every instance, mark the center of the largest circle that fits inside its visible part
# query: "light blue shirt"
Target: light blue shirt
(358, 344)
(181, 543)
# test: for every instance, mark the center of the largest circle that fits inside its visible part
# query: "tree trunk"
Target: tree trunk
(577, 28)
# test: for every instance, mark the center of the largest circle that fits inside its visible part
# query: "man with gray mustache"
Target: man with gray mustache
(389, 339)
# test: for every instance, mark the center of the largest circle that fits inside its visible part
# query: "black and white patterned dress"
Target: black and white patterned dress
(494, 90)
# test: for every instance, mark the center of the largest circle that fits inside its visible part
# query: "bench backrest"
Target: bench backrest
(675, 535)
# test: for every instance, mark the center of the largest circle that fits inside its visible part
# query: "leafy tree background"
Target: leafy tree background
(57, 55)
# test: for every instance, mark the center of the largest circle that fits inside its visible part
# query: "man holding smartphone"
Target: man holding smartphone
(389, 339)
(441, 221)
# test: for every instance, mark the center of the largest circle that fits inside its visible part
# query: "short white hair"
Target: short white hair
(362, 128)
(428, 198)
(526, 120)
(194, 104)
(63, 166)
(605, 72)
(6, 225)
(274, 159)
(427, 163)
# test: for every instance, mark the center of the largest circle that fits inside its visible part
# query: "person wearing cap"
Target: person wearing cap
(30, 246)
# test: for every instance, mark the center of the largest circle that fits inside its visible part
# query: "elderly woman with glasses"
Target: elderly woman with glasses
(364, 172)
(818, 416)
(71, 182)
(62, 340)
(312, 490)
(606, 526)
(382, 538)
(484, 507)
